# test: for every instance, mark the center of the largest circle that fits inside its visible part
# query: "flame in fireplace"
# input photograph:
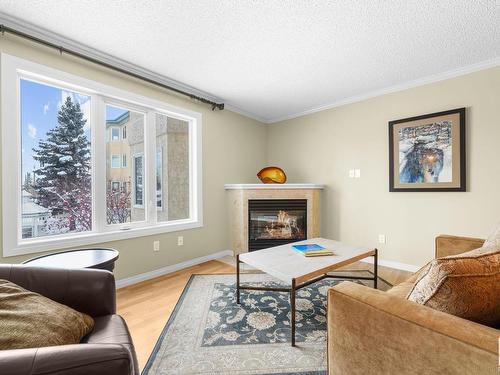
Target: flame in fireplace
(284, 227)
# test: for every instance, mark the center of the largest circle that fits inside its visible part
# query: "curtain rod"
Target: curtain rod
(61, 49)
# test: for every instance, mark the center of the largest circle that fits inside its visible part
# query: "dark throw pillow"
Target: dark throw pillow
(30, 320)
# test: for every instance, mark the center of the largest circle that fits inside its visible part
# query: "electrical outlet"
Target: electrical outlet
(156, 245)
(357, 173)
(180, 241)
(351, 173)
(382, 238)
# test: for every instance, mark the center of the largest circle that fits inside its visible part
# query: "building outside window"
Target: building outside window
(115, 161)
(138, 180)
(159, 168)
(115, 134)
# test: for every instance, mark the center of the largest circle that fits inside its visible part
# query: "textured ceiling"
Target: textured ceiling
(277, 58)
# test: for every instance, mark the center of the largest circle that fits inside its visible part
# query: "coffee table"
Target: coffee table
(299, 271)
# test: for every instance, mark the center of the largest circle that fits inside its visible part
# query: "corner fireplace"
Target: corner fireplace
(273, 222)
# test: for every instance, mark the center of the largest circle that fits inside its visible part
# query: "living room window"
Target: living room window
(86, 163)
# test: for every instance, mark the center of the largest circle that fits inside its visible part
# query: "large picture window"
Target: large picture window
(85, 162)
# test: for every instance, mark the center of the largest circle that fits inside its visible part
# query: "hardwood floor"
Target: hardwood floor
(147, 306)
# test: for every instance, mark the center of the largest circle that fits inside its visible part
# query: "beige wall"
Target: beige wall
(322, 147)
(233, 151)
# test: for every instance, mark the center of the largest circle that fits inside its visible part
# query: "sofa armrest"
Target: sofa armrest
(374, 332)
(80, 359)
(452, 245)
(86, 290)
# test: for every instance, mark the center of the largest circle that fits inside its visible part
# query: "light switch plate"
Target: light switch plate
(351, 173)
(357, 173)
(156, 245)
(382, 238)
(180, 241)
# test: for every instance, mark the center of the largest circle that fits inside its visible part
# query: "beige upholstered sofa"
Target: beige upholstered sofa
(375, 332)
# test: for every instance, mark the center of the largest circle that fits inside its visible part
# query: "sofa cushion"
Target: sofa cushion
(112, 329)
(493, 239)
(466, 285)
(402, 289)
(30, 320)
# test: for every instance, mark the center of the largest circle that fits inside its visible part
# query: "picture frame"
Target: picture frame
(428, 152)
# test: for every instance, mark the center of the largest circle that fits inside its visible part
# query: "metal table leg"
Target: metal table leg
(292, 310)
(238, 279)
(375, 269)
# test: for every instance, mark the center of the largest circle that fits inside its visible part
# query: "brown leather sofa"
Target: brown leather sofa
(376, 332)
(107, 350)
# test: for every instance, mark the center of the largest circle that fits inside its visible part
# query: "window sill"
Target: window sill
(80, 239)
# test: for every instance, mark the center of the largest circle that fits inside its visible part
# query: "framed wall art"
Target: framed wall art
(427, 153)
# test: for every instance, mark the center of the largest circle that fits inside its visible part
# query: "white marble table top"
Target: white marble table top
(286, 264)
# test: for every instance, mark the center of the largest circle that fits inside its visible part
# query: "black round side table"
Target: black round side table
(99, 258)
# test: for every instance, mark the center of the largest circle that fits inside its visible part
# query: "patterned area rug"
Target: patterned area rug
(208, 333)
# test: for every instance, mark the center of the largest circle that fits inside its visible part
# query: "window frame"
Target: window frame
(116, 156)
(13, 69)
(115, 182)
(112, 128)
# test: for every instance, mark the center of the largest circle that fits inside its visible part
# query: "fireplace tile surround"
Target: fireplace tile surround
(239, 195)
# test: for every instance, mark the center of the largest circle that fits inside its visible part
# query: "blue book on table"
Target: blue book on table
(308, 247)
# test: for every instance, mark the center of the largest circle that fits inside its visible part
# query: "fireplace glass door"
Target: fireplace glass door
(274, 222)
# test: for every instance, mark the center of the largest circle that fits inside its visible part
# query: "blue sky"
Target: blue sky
(39, 107)
(114, 112)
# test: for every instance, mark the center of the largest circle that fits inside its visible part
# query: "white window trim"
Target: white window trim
(119, 156)
(11, 70)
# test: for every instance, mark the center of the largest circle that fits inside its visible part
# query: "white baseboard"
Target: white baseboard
(169, 269)
(392, 264)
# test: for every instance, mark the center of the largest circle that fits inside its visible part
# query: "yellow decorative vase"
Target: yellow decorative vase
(272, 175)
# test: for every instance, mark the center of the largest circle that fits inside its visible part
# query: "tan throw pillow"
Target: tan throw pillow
(466, 285)
(29, 320)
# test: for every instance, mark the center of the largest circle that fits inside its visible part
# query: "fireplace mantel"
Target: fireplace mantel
(239, 194)
(272, 186)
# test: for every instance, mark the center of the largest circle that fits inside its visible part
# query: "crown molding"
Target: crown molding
(242, 112)
(68, 43)
(396, 88)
